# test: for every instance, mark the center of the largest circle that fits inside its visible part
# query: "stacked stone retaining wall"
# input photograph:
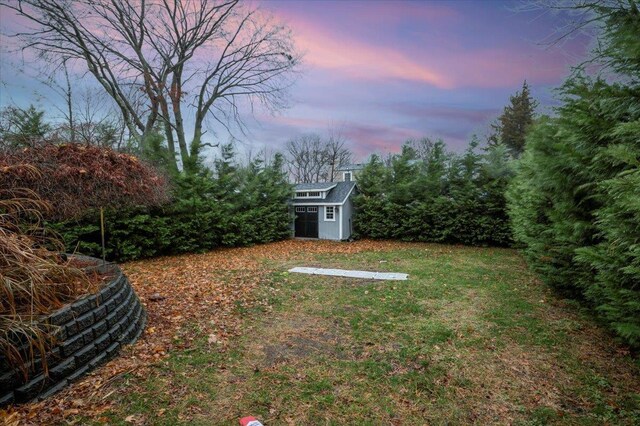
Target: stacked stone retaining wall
(89, 332)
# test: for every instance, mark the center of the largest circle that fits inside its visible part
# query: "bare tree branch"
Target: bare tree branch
(162, 59)
(313, 159)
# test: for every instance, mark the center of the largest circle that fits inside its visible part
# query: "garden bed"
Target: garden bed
(88, 332)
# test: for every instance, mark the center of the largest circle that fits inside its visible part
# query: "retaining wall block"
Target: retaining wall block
(91, 331)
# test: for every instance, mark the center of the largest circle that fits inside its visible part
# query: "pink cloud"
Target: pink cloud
(357, 59)
(440, 62)
(305, 123)
(368, 138)
(363, 138)
(503, 67)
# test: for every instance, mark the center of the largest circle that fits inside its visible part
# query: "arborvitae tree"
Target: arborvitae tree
(404, 168)
(495, 174)
(155, 151)
(371, 213)
(471, 160)
(574, 201)
(265, 192)
(435, 165)
(516, 118)
(227, 175)
(373, 181)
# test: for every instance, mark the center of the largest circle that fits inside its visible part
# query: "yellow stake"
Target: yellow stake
(104, 250)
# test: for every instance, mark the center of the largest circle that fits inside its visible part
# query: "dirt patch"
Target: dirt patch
(296, 348)
(292, 338)
(287, 341)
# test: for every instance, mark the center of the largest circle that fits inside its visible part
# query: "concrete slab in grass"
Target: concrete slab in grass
(396, 276)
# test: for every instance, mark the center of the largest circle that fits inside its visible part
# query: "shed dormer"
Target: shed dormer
(312, 191)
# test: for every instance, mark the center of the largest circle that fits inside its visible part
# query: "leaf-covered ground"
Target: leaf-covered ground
(472, 337)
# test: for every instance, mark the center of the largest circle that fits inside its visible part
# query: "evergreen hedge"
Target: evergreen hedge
(229, 206)
(436, 197)
(575, 202)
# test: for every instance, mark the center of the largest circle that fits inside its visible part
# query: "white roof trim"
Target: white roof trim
(311, 203)
(349, 194)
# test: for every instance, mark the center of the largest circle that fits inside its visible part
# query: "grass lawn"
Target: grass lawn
(471, 337)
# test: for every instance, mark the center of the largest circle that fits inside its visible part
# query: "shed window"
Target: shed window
(329, 213)
(307, 194)
(312, 210)
(300, 209)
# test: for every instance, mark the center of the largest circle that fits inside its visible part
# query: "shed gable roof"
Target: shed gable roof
(318, 186)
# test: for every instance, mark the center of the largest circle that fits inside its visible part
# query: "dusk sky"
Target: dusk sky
(383, 72)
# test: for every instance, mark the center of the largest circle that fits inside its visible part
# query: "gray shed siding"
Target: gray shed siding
(327, 230)
(347, 219)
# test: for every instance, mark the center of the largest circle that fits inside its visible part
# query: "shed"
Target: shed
(323, 210)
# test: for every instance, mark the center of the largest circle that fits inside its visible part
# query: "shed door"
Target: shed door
(307, 222)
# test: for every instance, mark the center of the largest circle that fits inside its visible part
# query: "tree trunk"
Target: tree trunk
(72, 125)
(175, 95)
(168, 132)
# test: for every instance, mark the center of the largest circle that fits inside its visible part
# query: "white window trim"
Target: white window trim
(300, 209)
(344, 176)
(333, 210)
(312, 209)
(307, 194)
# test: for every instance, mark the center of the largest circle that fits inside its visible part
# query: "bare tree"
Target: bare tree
(338, 154)
(163, 61)
(97, 122)
(305, 158)
(310, 158)
(68, 97)
(88, 116)
(422, 147)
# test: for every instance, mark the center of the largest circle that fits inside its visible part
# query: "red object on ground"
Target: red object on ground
(250, 421)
